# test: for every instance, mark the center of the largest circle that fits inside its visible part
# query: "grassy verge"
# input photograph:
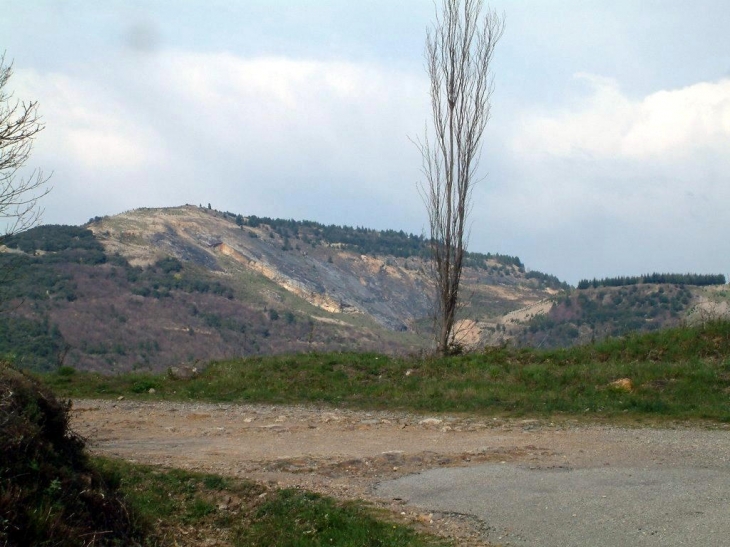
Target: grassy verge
(677, 374)
(184, 508)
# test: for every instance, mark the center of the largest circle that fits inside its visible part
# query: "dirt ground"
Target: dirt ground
(346, 454)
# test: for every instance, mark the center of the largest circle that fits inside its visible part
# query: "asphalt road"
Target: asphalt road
(564, 507)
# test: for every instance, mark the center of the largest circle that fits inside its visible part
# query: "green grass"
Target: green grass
(181, 507)
(677, 374)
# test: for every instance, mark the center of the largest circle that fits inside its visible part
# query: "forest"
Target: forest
(699, 280)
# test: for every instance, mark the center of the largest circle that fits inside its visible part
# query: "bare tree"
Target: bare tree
(19, 195)
(459, 50)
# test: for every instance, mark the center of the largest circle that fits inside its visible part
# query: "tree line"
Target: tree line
(547, 280)
(674, 279)
(368, 241)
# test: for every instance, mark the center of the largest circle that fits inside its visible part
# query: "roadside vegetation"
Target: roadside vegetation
(189, 509)
(681, 373)
(52, 493)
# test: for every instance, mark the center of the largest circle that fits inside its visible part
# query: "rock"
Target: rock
(151, 391)
(425, 519)
(622, 384)
(120, 398)
(430, 421)
(182, 372)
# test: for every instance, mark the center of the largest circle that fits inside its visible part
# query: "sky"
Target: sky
(607, 153)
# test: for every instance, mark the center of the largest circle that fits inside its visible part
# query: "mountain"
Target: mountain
(158, 288)
(152, 289)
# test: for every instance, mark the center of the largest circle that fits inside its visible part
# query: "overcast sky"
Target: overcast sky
(608, 152)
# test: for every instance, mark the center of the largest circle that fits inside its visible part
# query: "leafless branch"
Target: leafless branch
(20, 123)
(459, 51)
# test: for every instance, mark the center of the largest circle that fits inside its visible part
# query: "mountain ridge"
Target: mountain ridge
(392, 289)
(150, 289)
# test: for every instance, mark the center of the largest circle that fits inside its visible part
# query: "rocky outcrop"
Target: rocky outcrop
(393, 292)
(296, 287)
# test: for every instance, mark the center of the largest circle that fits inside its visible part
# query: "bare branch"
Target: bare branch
(458, 54)
(20, 123)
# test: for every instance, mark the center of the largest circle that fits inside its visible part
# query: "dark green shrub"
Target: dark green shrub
(49, 493)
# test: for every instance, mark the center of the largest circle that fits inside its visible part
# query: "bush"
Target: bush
(49, 493)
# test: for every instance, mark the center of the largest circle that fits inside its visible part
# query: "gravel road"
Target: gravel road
(480, 480)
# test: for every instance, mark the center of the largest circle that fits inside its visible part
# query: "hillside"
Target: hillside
(156, 288)
(151, 289)
(591, 314)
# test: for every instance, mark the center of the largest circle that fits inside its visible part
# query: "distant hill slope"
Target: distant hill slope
(592, 314)
(155, 288)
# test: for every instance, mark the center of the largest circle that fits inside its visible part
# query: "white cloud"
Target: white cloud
(681, 122)
(664, 125)
(619, 185)
(87, 127)
(264, 134)
(331, 110)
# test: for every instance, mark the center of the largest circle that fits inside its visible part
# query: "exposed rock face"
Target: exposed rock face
(393, 292)
(301, 289)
